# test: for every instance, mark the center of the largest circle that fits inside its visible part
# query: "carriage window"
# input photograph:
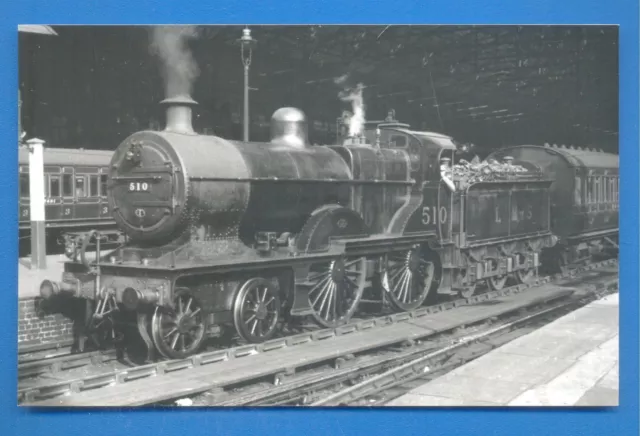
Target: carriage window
(24, 185)
(67, 185)
(54, 186)
(589, 189)
(93, 186)
(81, 187)
(103, 185)
(578, 192)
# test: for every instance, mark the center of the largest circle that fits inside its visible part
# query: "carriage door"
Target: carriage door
(87, 185)
(104, 202)
(53, 195)
(67, 194)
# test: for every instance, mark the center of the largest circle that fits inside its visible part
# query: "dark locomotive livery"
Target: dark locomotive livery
(247, 235)
(75, 186)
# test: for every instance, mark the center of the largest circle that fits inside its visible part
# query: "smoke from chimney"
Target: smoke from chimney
(356, 119)
(180, 69)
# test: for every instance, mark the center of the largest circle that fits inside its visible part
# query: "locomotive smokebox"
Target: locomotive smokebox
(179, 114)
(289, 127)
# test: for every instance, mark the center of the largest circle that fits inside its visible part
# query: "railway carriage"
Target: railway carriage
(584, 199)
(75, 192)
(244, 235)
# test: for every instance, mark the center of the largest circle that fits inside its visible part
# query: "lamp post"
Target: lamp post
(247, 43)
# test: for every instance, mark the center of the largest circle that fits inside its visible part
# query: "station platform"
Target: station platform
(29, 279)
(42, 325)
(572, 361)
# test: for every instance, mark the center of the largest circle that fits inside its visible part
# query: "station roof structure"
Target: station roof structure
(492, 85)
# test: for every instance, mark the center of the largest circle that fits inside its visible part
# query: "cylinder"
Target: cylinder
(49, 289)
(132, 298)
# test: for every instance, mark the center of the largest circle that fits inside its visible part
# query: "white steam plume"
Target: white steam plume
(180, 69)
(356, 119)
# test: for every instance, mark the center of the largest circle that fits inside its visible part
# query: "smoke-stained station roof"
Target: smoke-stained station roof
(492, 85)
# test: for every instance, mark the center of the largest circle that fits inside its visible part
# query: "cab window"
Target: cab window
(414, 155)
(398, 141)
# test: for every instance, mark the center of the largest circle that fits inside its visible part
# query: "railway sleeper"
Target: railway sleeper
(285, 376)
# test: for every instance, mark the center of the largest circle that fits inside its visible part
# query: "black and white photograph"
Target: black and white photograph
(318, 216)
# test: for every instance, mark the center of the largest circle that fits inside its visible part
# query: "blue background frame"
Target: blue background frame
(620, 421)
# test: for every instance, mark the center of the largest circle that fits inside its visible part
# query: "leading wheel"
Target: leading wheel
(256, 310)
(407, 279)
(336, 290)
(179, 332)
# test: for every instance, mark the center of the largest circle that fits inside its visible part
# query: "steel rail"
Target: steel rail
(47, 391)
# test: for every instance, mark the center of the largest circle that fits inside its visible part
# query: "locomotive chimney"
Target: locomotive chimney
(289, 127)
(179, 114)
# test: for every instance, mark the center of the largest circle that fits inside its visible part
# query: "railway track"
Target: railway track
(326, 387)
(45, 392)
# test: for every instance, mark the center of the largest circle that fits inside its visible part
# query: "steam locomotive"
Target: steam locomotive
(247, 235)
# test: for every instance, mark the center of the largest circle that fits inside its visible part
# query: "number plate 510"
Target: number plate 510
(138, 187)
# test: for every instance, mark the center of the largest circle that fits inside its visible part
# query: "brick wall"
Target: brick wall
(43, 322)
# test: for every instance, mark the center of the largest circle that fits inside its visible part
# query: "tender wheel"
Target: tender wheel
(524, 275)
(497, 282)
(336, 290)
(407, 279)
(256, 310)
(179, 332)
